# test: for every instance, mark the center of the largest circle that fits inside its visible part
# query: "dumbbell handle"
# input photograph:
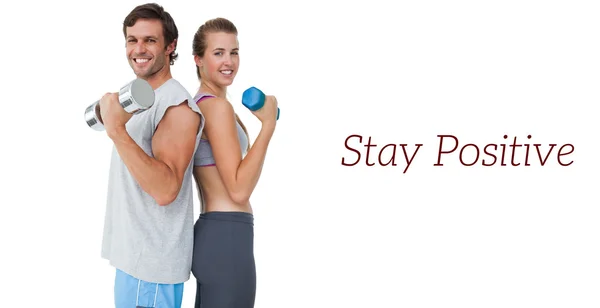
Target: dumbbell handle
(254, 99)
(134, 97)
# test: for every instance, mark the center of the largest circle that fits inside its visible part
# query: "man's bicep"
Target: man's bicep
(174, 141)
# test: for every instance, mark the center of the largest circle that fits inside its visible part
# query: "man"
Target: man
(148, 232)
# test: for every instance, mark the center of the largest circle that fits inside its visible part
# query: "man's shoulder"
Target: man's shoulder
(172, 87)
(172, 92)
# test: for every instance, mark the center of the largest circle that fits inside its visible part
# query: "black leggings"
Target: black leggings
(223, 261)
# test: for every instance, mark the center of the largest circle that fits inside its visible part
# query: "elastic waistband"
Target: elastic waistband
(229, 216)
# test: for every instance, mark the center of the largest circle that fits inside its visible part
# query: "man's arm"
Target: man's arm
(173, 146)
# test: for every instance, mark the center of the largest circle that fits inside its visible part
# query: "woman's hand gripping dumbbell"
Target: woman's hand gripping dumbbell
(262, 106)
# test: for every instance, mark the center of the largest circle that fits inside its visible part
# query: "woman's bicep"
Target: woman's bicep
(221, 131)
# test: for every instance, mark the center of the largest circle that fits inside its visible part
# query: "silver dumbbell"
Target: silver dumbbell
(134, 97)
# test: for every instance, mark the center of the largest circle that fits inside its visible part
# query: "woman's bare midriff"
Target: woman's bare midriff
(216, 197)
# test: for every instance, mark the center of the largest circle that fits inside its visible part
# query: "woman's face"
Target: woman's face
(221, 60)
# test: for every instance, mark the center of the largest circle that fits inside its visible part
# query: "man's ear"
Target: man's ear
(171, 47)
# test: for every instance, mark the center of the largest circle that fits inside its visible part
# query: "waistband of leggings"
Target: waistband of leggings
(229, 216)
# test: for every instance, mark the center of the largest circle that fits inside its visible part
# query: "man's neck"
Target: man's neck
(159, 78)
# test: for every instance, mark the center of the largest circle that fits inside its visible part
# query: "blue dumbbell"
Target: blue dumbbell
(254, 99)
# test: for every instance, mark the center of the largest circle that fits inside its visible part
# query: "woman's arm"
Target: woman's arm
(240, 176)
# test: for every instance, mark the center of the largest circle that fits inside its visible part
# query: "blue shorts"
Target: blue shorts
(131, 292)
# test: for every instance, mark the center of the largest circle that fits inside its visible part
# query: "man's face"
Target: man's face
(146, 52)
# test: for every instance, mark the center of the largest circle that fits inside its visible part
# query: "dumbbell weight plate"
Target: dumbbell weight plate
(136, 96)
(92, 117)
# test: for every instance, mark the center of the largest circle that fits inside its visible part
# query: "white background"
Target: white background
(328, 235)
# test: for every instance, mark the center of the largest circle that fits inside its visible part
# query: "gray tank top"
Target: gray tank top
(142, 238)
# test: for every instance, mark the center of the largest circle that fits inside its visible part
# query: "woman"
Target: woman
(226, 170)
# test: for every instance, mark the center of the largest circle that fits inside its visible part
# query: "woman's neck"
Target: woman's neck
(214, 90)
